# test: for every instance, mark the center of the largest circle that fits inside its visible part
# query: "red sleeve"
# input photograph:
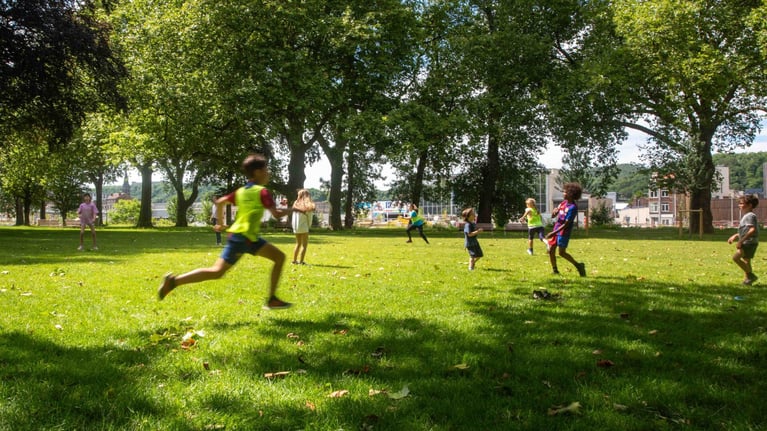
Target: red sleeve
(229, 198)
(267, 199)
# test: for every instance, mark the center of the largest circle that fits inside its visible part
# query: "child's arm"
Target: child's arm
(278, 213)
(732, 239)
(221, 203)
(476, 232)
(749, 234)
(559, 229)
(524, 216)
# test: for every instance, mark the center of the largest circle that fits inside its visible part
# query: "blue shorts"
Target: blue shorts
(237, 245)
(560, 241)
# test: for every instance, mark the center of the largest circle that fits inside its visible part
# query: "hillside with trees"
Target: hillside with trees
(745, 169)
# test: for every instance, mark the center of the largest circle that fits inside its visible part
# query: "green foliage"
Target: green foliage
(631, 181)
(125, 211)
(746, 169)
(601, 215)
(56, 64)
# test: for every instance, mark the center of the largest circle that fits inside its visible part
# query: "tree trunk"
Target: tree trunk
(145, 213)
(416, 189)
(350, 187)
(183, 204)
(19, 203)
(99, 185)
(336, 159)
(489, 175)
(296, 173)
(27, 208)
(700, 193)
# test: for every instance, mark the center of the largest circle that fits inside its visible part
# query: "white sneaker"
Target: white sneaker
(530, 251)
(95, 248)
(80, 248)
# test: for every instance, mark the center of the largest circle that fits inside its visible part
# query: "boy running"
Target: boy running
(251, 200)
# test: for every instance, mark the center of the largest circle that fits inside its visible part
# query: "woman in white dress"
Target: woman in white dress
(301, 220)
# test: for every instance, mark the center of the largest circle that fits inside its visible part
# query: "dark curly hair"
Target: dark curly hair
(573, 190)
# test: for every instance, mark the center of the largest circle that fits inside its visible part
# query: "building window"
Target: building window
(664, 193)
(653, 207)
(664, 208)
(653, 193)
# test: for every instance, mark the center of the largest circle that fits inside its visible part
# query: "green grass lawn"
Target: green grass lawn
(383, 335)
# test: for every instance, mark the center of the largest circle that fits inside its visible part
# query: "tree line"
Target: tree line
(459, 97)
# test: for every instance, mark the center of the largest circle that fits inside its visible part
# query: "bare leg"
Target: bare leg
(93, 235)
(567, 256)
(297, 248)
(743, 263)
(274, 254)
(553, 258)
(304, 244)
(82, 234)
(219, 268)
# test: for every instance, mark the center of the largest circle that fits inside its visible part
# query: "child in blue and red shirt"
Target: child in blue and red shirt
(563, 225)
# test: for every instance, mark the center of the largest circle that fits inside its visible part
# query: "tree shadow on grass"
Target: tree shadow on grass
(625, 350)
(47, 386)
(630, 344)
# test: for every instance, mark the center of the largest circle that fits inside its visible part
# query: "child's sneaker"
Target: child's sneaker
(168, 284)
(95, 247)
(80, 248)
(530, 251)
(581, 269)
(276, 304)
(750, 279)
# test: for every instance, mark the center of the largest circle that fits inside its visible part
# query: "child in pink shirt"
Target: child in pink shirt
(87, 213)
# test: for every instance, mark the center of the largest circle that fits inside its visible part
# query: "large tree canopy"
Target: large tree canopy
(56, 63)
(689, 73)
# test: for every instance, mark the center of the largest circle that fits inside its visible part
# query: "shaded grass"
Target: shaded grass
(84, 344)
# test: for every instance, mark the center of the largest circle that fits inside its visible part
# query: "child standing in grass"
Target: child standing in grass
(747, 237)
(470, 232)
(87, 213)
(563, 226)
(301, 220)
(251, 200)
(534, 224)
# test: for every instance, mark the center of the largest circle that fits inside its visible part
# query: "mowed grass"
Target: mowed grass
(383, 335)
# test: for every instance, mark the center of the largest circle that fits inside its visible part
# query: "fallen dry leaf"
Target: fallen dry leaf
(310, 405)
(605, 363)
(338, 394)
(373, 392)
(596, 352)
(278, 374)
(461, 366)
(573, 408)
